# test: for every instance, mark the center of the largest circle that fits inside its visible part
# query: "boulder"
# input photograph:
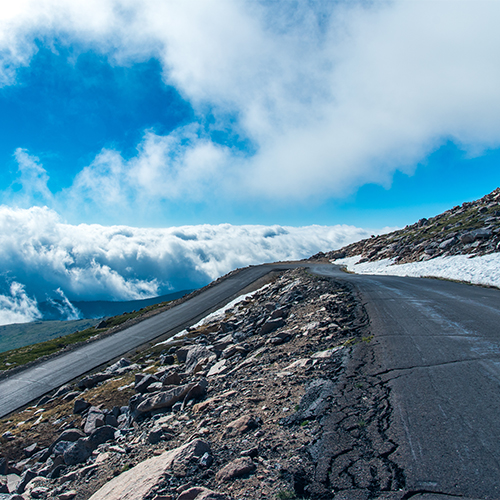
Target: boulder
(140, 482)
(101, 435)
(78, 452)
(237, 468)
(144, 382)
(70, 435)
(95, 418)
(80, 406)
(271, 325)
(167, 399)
(92, 380)
(197, 357)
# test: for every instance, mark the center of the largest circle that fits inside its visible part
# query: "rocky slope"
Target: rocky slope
(472, 229)
(267, 402)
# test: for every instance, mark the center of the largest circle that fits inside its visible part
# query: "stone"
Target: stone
(3, 466)
(241, 425)
(111, 420)
(3, 486)
(78, 452)
(101, 435)
(219, 368)
(62, 391)
(60, 447)
(206, 460)
(31, 450)
(236, 468)
(80, 406)
(197, 357)
(95, 418)
(140, 481)
(271, 325)
(71, 435)
(155, 435)
(92, 380)
(70, 396)
(26, 477)
(171, 378)
(167, 399)
(143, 383)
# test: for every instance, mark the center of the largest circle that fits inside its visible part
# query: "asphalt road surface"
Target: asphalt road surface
(438, 345)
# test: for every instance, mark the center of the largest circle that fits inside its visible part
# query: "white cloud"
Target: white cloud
(92, 262)
(18, 307)
(332, 94)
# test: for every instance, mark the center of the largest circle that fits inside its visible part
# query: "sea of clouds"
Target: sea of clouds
(44, 258)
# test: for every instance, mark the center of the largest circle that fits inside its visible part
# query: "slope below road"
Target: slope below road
(437, 347)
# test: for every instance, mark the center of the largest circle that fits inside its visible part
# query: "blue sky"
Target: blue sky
(162, 114)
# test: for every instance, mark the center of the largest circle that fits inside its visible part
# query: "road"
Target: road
(437, 345)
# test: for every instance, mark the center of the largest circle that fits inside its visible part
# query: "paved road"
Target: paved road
(438, 345)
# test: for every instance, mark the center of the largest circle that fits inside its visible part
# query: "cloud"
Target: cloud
(59, 261)
(330, 95)
(18, 307)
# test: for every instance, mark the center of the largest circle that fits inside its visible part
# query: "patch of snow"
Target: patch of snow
(479, 270)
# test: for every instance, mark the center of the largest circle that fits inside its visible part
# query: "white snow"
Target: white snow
(480, 270)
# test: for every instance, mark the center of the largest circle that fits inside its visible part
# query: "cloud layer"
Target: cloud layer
(328, 95)
(44, 258)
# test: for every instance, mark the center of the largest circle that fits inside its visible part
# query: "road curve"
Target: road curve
(437, 345)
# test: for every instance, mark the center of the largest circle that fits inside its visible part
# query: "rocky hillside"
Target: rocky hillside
(259, 404)
(472, 228)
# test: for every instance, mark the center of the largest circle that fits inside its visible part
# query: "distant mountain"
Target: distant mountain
(472, 228)
(58, 310)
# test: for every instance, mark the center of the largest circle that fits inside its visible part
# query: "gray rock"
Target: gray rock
(61, 446)
(139, 481)
(200, 493)
(26, 477)
(100, 435)
(92, 380)
(71, 395)
(110, 419)
(70, 435)
(206, 460)
(166, 399)
(3, 486)
(155, 435)
(78, 452)
(197, 357)
(271, 325)
(144, 382)
(80, 406)
(62, 391)
(95, 418)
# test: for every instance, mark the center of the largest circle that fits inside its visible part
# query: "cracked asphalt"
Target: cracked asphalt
(435, 360)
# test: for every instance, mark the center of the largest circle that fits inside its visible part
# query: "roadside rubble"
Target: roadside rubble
(238, 407)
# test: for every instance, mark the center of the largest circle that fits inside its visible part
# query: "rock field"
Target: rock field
(274, 401)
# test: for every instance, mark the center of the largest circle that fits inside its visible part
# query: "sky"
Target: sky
(350, 116)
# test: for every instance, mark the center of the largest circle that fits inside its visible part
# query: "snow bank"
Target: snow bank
(480, 270)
